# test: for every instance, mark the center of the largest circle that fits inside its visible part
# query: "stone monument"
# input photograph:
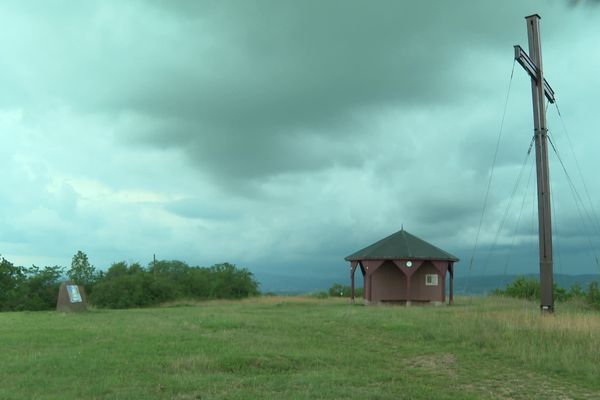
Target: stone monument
(71, 298)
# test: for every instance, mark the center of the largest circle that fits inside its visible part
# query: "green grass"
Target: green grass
(303, 348)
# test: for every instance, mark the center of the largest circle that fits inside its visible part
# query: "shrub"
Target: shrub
(42, 288)
(124, 286)
(593, 295)
(319, 295)
(529, 288)
(339, 290)
(522, 288)
(12, 285)
(82, 272)
(28, 288)
(228, 282)
(576, 291)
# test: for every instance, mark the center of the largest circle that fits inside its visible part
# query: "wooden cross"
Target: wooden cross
(540, 89)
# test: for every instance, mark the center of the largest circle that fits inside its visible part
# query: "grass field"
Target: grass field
(303, 348)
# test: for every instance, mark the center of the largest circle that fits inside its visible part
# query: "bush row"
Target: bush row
(122, 285)
(529, 288)
(28, 288)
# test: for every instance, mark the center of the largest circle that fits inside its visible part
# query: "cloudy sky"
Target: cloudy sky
(284, 135)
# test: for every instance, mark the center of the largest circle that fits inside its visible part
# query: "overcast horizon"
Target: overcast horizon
(282, 136)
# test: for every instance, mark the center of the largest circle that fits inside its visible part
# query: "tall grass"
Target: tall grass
(303, 348)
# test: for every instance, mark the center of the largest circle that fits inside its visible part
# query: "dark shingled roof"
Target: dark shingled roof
(401, 245)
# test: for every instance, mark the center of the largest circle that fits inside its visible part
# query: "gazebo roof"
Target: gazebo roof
(401, 245)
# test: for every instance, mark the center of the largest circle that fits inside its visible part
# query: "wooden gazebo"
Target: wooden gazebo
(403, 268)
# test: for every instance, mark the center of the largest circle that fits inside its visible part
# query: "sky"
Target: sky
(282, 136)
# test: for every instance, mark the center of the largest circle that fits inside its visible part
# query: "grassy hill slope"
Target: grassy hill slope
(301, 348)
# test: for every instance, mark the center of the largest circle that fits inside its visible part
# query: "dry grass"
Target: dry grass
(303, 348)
(257, 300)
(436, 364)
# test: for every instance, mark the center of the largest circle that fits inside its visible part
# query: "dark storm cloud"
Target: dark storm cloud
(348, 118)
(250, 89)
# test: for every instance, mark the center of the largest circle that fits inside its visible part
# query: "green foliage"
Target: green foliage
(593, 295)
(319, 295)
(42, 288)
(529, 288)
(521, 288)
(28, 288)
(122, 285)
(228, 282)
(12, 285)
(82, 272)
(126, 286)
(339, 290)
(576, 291)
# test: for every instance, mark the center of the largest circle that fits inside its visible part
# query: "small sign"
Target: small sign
(74, 295)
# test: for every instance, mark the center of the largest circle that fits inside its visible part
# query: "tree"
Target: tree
(82, 272)
(126, 286)
(28, 288)
(42, 288)
(13, 281)
(529, 288)
(593, 295)
(339, 290)
(230, 282)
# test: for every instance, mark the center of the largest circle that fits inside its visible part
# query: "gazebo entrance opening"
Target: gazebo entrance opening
(389, 283)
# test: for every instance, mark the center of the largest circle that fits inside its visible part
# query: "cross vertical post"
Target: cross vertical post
(539, 90)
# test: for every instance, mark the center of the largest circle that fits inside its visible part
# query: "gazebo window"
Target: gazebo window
(431, 280)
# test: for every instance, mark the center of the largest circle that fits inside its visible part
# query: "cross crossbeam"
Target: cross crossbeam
(529, 66)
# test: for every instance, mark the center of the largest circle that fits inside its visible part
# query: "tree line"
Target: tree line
(122, 285)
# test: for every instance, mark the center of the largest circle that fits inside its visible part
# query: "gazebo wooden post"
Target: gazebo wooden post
(408, 296)
(370, 267)
(443, 287)
(352, 270)
(451, 270)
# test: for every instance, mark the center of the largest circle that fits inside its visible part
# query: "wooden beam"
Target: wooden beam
(352, 270)
(529, 66)
(451, 270)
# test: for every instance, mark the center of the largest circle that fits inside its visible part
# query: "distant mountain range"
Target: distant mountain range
(465, 285)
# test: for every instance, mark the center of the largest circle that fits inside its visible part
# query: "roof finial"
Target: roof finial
(402, 227)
